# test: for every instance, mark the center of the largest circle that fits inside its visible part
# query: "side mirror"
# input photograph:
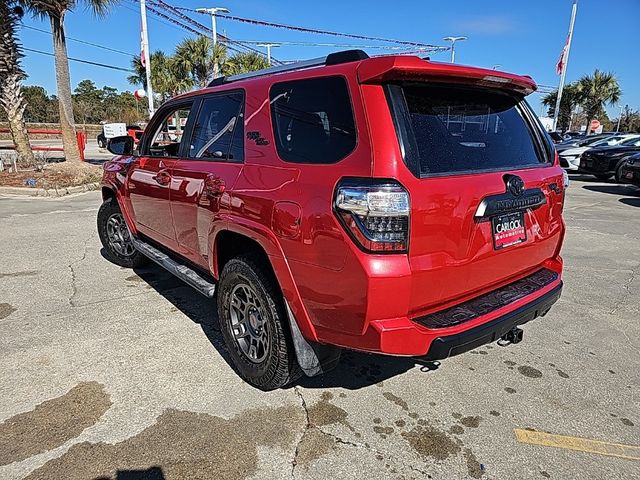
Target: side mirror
(120, 145)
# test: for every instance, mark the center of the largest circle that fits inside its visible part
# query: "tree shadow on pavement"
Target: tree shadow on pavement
(355, 370)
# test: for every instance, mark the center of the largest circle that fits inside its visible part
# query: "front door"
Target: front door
(149, 179)
(202, 179)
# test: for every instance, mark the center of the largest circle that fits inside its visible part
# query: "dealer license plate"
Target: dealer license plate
(508, 230)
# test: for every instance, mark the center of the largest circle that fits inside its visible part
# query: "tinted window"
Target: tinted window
(459, 129)
(632, 142)
(168, 135)
(218, 132)
(313, 120)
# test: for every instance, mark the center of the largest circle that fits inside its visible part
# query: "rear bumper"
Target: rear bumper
(460, 328)
(447, 346)
(571, 164)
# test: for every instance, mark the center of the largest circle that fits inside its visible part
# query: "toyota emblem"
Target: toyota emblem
(515, 185)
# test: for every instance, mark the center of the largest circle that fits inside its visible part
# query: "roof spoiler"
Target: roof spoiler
(331, 59)
(384, 69)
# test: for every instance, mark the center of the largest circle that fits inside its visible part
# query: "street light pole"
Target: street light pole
(146, 56)
(453, 41)
(213, 11)
(268, 47)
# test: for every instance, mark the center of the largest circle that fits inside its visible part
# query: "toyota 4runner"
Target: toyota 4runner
(391, 205)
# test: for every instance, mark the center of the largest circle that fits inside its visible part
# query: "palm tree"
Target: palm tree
(55, 11)
(596, 91)
(243, 63)
(570, 100)
(168, 76)
(11, 76)
(197, 56)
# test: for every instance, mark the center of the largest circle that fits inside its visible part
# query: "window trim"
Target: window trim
(399, 111)
(201, 100)
(158, 118)
(273, 123)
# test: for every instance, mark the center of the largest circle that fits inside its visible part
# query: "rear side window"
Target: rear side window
(313, 120)
(218, 132)
(462, 129)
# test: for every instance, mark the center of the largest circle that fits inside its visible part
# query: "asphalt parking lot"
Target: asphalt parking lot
(110, 373)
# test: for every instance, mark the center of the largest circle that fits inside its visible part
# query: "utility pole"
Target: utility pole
(453, 41)
(146, 56)
(564, 59)
(268, 47)
(213, 11)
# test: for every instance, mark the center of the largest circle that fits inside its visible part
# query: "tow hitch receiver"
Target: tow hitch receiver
(512, 336)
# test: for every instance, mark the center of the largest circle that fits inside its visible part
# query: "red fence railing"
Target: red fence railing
(80, 136)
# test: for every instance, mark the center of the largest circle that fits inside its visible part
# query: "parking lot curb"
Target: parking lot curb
(48, 192)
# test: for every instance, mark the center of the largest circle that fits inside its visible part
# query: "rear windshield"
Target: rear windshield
(462, 129)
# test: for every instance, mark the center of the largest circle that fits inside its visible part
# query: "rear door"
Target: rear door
(486, 198)
(149, 178)
(202, 177)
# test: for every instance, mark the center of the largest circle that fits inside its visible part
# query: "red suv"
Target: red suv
(392, 205)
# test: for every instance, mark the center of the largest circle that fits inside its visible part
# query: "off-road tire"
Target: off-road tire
(279, 366)
(108, 209)
(618, 176)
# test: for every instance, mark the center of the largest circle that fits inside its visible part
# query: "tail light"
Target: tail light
(375, 214)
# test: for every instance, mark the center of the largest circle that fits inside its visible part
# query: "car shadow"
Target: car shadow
(95, 161)
(614, 189)
(355, 370)
(633, 202)
(582, 177)
(153, 473)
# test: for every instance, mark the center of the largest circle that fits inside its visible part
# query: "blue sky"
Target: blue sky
(522, 36)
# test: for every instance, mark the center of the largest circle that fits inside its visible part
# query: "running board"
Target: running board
(184, 273)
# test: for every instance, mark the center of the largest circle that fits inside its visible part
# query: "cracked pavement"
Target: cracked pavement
(112, 373)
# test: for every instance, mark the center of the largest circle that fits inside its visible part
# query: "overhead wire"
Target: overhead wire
(223, 38)
(97, 45)
(154, 6)
(80, 60)
(318, 31)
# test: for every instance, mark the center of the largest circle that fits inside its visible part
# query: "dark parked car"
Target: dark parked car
(630, 170)
(605, 162)
(581, 141)
(557, 137)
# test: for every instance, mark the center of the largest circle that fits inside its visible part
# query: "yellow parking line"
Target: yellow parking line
(629, 452)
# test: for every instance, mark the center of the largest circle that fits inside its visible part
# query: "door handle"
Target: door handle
(214, 186)
(162, 178)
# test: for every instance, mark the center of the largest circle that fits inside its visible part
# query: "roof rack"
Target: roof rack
(331, 59)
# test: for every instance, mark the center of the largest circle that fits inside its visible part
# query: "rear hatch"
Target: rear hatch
(486, 194)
